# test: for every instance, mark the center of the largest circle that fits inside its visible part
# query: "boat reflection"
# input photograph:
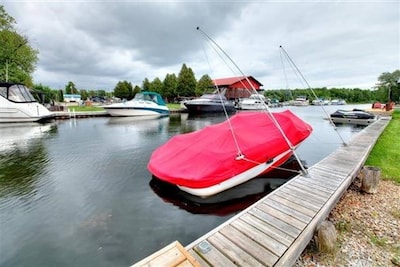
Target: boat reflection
(230, 201)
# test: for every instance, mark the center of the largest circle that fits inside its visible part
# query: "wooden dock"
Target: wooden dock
(275, 230)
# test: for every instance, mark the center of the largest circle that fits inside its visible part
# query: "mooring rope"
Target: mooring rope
(291, 62)
(240, 155)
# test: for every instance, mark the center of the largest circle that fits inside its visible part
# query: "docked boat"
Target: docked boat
(210, 103)
(221, 156)
(253, 102)
(355, 116)
(17, 104)
(143, 104)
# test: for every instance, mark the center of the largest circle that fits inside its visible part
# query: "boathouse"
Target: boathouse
(238, 87)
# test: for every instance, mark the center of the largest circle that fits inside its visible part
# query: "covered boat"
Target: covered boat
(355, 116)
(221, 156)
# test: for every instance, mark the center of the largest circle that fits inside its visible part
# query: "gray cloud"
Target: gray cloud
(95, 44)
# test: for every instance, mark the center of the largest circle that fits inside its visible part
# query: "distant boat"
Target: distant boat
(355, 116)
(300, 101)
(209, 103)
(143, 104)
(253, 102)
(17, 104)
(221, 156)
(338, 102)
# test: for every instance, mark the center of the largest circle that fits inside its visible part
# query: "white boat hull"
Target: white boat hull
(136, 108)
(238, 179)
(22, 112)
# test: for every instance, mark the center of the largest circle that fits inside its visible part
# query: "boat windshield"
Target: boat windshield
(17, 93)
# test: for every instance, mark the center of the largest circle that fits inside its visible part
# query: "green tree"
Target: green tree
(186, 82)
(123, 90)
(136, 90)
(389, 85)
(17, 57)
(169, 84)
(70, 88)
(84, 94)
(146, 86)
(204, 85)
(46, 92)
(157, 86)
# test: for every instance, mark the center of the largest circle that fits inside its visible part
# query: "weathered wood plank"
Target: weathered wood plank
(310, 195)
(300, 208)
(268, 229)
(273, 245)
(287, 218)
(231, 250)
(276, 223)
(214, 257)
(303, 196)
(309, 188)
(317, 185)
(248, 245)
(289, 210)
(295, 199)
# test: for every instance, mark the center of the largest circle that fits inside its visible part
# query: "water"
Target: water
(78, 193)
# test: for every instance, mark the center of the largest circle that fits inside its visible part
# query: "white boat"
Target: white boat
(300, 101)
(143, 104)
(17, 104)
(254, 102)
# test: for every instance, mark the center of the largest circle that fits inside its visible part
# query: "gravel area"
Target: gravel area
(368, 227)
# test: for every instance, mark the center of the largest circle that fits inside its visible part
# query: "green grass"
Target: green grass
(386, 152)
(174, 106)
(85, 108)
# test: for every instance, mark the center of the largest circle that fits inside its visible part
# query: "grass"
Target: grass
(85, 108)
(386, 152)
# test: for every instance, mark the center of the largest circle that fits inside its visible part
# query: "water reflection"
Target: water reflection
(23, 157)
(229, 201)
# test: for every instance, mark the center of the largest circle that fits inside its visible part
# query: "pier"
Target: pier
(275, 230)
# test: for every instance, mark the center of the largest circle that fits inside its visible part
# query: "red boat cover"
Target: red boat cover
(208, 156)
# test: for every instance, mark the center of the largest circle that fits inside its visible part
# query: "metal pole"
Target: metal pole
(6, 70)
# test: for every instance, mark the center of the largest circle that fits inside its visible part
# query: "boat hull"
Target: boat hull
(240, 178)
(135, 111)
(198, 108)
(23, 112)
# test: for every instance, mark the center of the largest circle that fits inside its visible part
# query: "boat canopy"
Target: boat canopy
(150, 96)
(17, 93)
(209, 156)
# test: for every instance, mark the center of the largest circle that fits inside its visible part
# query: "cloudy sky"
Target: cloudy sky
(96, 43)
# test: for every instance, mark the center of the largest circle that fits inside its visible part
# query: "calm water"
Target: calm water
(78, 193)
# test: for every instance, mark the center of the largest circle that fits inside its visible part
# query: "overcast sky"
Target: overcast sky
(95, 44)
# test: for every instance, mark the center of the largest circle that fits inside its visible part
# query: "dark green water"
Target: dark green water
(78, 193)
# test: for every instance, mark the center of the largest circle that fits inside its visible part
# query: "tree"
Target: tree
(70, 88)
(48, 94)
(169, 84)
(123, 90)
(156, 86)
(17, 57)
(389, 85)
(204, 85)
(186, 82)
(146, 85)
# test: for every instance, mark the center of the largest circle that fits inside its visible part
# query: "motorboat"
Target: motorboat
(300, 101)
(253, 102)
(224, 155)
(355, 116)
(143, 104)
(17, 104)
(210, 103)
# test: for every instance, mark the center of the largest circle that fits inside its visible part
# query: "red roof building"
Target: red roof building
(238, 87)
